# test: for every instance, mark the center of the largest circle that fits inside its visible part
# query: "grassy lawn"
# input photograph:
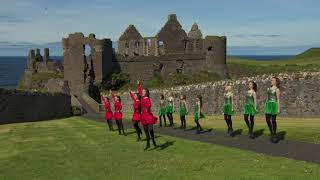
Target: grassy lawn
(78, 149)
(297, 129)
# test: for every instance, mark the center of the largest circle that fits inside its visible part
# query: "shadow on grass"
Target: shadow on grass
(281, 135)
(156, 137)
(206, 131)
(258, 133)
(164, 145)
(237, 132)
(191, 129)
(131, 132)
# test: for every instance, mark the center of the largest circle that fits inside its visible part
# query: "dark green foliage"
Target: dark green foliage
(94, 92)
(115, 81)
(156, 81)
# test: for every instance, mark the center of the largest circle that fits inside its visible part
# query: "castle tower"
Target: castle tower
(216, 49)
(39, 57)
(130, 42)
(75, 64)
(195, 40)
(172, 37)
(46, 55)
(31, 60)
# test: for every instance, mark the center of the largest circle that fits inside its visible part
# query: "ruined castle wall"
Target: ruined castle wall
(19, 106)
(300, 97)
(144, 67)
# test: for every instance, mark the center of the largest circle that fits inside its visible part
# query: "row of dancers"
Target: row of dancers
(142, 111)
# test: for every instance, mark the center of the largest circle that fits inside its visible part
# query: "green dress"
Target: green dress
(249, 108)
(271, 106)
(183, 109)
(196, 112)
(169, 108)
(162, 110)
(227, 107)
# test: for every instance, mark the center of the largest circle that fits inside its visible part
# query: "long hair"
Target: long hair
(184, 97)
(200, 99)
(254, 86)
(162, 97)
(138, 96)
(278, 83)
(119, 98)
(147, 92)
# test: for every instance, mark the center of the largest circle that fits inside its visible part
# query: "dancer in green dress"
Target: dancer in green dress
(228, 108)
(170, 109)
(198, 113)
(162, 111)
(250, 107)
(183, 111)
(272, 108)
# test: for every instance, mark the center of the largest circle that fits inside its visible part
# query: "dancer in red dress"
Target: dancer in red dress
(147, 118)
(108, 115)
(117, 115)
(136, 117)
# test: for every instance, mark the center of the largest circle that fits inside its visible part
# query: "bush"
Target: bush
(156, 81)
(115, 81)
(179, 79)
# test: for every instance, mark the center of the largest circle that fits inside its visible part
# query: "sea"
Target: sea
(12, 67)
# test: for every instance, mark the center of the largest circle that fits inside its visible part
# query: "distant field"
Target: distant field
(306, 61)
(76, 149)
(311, 56)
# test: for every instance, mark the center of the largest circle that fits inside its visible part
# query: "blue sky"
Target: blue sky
(252, 26)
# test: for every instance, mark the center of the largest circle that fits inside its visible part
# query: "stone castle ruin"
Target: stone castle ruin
(36, 63)
(170, 51)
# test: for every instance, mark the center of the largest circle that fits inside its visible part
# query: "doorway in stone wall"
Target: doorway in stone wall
(88, 63)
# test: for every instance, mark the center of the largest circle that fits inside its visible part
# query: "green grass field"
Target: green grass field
(296, 129)
(77, 149)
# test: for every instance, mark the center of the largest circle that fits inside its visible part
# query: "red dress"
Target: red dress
(108, 115)
(117, 115)
(136, 108)
(146, 114)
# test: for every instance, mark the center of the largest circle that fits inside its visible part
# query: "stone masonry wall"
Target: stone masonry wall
(300, 96)
(20, 106)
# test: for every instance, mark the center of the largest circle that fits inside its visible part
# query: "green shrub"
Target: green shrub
(115, 81)
(156, 81)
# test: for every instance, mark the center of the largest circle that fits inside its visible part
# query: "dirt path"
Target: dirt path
(284, 148)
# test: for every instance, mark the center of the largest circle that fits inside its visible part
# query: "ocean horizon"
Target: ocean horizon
(12, 67)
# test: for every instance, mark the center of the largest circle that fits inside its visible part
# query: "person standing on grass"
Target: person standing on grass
(162, 111)
(228, 108)
(250, 107)
(170, 109)
(198, 113)
(272, 108)
(147, 118)
(108, 114)
(183, 111)
(136, 117)
(117, 112)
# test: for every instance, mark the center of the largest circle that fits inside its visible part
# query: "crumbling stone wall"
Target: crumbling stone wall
(36, 63)
(300, 96)
(77, 69)
(20, 106)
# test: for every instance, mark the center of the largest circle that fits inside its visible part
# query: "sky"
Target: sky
(251, 26)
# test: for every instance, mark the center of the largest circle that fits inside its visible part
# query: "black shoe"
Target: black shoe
(138, 139)
(154, 143)
(119, 133)
(230, 131)
(274, 139)
(147, 146)
(251, 136)
(125, 134)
